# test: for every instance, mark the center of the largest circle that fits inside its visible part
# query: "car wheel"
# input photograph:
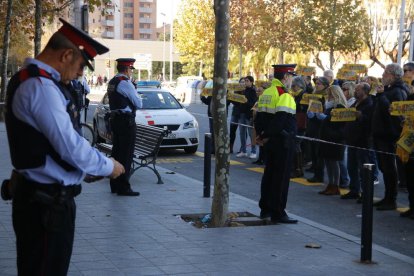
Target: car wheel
(191, 150)
(97, 137)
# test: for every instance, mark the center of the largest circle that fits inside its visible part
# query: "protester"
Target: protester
(386, 130)
(245, 116)
(49, 157)
(357, 136)
(123, 102)
(276, 130)
(234, 119)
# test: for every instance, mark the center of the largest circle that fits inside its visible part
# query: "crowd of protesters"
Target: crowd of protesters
(371, 138)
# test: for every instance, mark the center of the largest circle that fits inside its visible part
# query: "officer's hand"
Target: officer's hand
(118, 169)
(310, 114)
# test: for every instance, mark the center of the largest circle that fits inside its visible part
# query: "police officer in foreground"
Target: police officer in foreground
(123, 102)
(49, 157)
(276, 129)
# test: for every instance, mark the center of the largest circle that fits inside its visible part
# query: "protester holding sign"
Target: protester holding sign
(312, 131)
(332, 132)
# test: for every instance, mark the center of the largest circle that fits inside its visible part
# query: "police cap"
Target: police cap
(285, 68)
(128, 62)
(88, 46)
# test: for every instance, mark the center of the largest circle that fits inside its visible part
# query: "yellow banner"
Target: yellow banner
(231, 96)
(402, 108)
(235, 87)
(343, 114)
(409, 123)
(359, 68)
(315, 106)
(407, 141)
(305, 70)
(345, 74)
(307, 97)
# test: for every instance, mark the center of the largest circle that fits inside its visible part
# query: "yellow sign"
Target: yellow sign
(305, 70)
(409, 123)
(402, 108)
(345, 74)
(315, 106)
(264, 84)
(359, 68)
(235, 87)
(407, 141)
(343, 114)
(307, 97)
(231, 96)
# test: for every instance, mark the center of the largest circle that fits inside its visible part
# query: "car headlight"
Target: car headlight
(190, 124)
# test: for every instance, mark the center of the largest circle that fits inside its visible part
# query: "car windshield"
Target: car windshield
(158, 100)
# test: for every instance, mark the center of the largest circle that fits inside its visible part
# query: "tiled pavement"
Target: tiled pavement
(142, 236)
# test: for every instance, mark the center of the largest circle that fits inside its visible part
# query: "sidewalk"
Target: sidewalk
(142, 236)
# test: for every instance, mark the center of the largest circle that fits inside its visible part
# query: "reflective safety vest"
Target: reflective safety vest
(275, 99)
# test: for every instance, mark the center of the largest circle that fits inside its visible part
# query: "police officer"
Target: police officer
(123, 102)
(49, 157)
(276, 129)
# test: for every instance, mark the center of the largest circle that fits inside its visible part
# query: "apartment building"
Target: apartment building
(125, 19)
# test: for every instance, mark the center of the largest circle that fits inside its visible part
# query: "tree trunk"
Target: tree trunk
(5, 57)
(220, 203)
(240, 61)
(38, 27)
(332, 39)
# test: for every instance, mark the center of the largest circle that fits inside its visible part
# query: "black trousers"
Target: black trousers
(44, 232)
(123, 139)
(276, 177)
(388, 166)
(409, 172)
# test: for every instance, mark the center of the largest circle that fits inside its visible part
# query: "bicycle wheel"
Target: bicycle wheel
(87, 133)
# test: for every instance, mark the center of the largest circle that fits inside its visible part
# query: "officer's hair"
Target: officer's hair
(250, 78)
(58, 42)
(279, 75)
(410, 65)
(122, 68)
(395, 69)
(299, 82)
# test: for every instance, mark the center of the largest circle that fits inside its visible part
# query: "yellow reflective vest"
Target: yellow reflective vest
(276, 99)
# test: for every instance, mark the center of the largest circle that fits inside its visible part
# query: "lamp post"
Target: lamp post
(163, 49)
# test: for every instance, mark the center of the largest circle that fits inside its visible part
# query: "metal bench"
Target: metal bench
(147, 144)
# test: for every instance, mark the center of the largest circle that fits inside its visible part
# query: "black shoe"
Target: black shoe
(315, 180)
(258, 162)
(350, 195)
(387, 206)
(127, 192)
(378, 203)
(265, 215)
(285, 219)
(113, 187)
(408, 214)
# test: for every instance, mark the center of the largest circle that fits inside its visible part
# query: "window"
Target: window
(144, 36)
(128, 36)
(128, 15)
(128, 5)
(128, 25)
(144, 26)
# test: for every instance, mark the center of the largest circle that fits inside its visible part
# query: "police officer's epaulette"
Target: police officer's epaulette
(121, 78)
(32, 71)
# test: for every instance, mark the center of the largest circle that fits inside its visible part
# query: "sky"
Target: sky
(169, 8)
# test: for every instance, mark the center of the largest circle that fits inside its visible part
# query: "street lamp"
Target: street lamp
(163, 49)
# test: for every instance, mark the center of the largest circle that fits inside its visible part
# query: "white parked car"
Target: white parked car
(160, 109)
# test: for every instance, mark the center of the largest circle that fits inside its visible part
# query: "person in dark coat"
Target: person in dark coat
(386, 130)
(357, 134)
(332, 132)
(312, 130)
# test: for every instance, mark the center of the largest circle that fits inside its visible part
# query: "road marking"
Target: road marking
(232, 162)
(303, 181)
(174, 160)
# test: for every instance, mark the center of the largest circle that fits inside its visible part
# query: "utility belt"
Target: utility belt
(19, 186)
(120, 114)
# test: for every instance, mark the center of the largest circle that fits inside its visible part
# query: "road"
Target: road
(390, 230)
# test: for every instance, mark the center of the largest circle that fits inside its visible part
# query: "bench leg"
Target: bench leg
(158, 174)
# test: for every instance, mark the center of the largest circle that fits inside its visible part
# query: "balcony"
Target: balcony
(108, 23)
(108, 34)
(145, 20)
(109, 11)
(146, 1)
(145, 31)
(145, 10)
